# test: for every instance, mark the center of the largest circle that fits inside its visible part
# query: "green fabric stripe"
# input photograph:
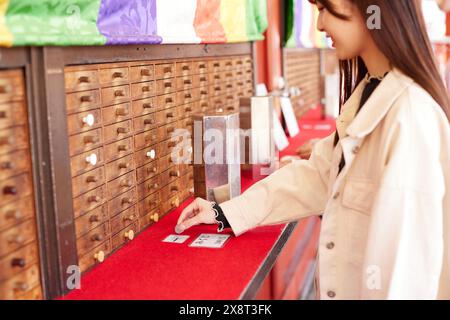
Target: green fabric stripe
(256, 21)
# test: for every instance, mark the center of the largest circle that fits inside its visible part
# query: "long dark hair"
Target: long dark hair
(403, 39)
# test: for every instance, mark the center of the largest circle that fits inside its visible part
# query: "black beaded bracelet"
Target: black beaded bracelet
(220, 217)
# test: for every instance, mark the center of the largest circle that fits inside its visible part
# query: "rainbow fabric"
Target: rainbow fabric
(114, 22)
(301, 31)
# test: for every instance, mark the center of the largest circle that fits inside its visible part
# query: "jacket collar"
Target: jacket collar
(376, 107)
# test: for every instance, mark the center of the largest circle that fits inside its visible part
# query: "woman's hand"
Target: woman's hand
(197, 212)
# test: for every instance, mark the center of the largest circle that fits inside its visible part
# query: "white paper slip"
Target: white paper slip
(210, 240)
(174, 238)
(289, 116)
(281, 141)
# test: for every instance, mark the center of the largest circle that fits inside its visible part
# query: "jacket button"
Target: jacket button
(330, 245)
(355, 150)
(331, 294)
(336, 195)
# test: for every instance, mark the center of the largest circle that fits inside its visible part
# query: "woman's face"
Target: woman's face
(349, 36)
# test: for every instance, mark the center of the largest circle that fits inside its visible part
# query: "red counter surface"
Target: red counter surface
(147, 268)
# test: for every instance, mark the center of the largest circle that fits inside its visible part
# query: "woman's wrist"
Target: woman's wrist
(220, 218)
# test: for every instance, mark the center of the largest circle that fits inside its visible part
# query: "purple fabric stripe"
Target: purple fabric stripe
(128, 22)
(298, 22)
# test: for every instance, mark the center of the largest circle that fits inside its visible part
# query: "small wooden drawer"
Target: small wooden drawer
(166, 146)
(84, 121)
(85, 141)
(227, 64)
(216, 78)
(144, 106)
(12, 114)
(184, 83)
(121, 184)
(82, 101)
(124, 236)
(186, 168)
(150, 218)
(218, 103)
(148, 187)
(165, 162)
(199, 80)
(165, 70)
(123, 219)
(186, 123)
(170, 190)
(89, 201)
(15, 188)
(199, 67)
(91, 220)
(145, 123)
(145, 139)
(13, 139)
(238, 62)
(18, 261)
(115, 95)
(119, 167)
(166, 101)
(238, 73)
(184, 68)
(114, 76)
(147, 171)
(81, 80)
(117, 113)
(11, 86)
(165, 86)
(216, 90)
(118, 131)
(122, 202)
(228, 76)
(14, 163)
(95, 256)
(203, 106)
(186, 180)
(170, 175)
(21, 284)
(170, 204)
(88, 181)
(119, 149)
(203, 93)
(142, 73)
(166, 116)
(16, 237)
(16, 212)
(146, 155)
(93, 239)
(149, 204)
(143, 90)
(184, 97)
(229, 88)
(215, 66)
(167, 131)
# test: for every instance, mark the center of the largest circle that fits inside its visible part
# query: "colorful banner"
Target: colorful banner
(115, 22)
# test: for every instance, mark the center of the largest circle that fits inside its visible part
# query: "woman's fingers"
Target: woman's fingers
(188, 223)
(188, 211)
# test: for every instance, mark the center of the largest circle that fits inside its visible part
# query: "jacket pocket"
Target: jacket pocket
(358, 195)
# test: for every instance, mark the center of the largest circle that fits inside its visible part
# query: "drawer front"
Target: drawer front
(215, 66)
(199, 67)
(12, 114)
(93, 238)
(91, 220)
(122, 202)
(148, 219)
(18, 261)
(146, 155)
(144, 123)
(88, 181)
(165, 162)
(85, 141)
(20, 285)
(164, 70)
(123, 219)
(124, 236)
(165, 86)
(14, 163)
(17, 236)
(149, 204)
(87, 161)
(145, 139)
(13, 189)
(166, 101)
(116, 113)
(144, 106)
(215, 79)
(148, 187)
(119, 149)
(187, 180)
(82, 101)
(81, 80)
(184, 97)
(114, 76)
(147, 171)
(184, 68)
(167, 131)
(170, 204)
(16, 212)
(166, 116)
(84, 121)
(167, 146)
(13, 139)
(216, 90)
(142, 73)
(200, 80)
(170, 175)
(12, 87)
(185, 83)
(118, 131)
(115, 95)
(170, 190)
(119, 167)
(95, 256)
(89, 201)
(142, 90)
(121, 184)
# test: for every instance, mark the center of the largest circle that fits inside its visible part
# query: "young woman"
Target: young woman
(381, 182)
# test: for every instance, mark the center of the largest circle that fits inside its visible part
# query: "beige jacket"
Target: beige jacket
(386, 218)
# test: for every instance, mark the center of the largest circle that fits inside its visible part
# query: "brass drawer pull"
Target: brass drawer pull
(230, 108)
(11, 190)
(170, 129)
(228, 63)
(126, 183)
(174, 189)
(189, 123)
(97, 237)
(127, 201)
(204, 105)
(216, 88)
(203, 79)
(169, 115)
(91, 179)
(146, 72)
(94, 199)
(146, 89)
(152, 186)
(203, 92)
(150, 137)
(149, 121)
(129, 235)
(202, 66)
(169, 100)
(2, 114)
(167, 70)
(219, 109)
(122, 147)
(230, 98)
(84, 79)
(187, 81)
(5, 141)
(155, 217)
(86, 99)
(119, 93)
(174, 173)
(171, 144)
(152, 170)
(124, 165)
(187, 96)
(129, 218)
(17, 239)
(168, 85)
(229, 85)
(228, 75)
(188, 109)
(175, 203)
(122, 130)
(185, 68)
(6, 165)
(121, 112)
(14, 214)
(216, 64)
(239, 73)
(94, 218)
(90, 139)
(100, 256)
(18, 262)
(117, 75)
(217, 77)
(147, 105)
(240, 83)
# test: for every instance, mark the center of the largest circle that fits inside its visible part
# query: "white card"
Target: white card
(261, 90)
(174, 238)
(281, 141)
(289, 116)
(210, 240)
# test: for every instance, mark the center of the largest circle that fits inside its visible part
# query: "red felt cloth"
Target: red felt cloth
(147, 268)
